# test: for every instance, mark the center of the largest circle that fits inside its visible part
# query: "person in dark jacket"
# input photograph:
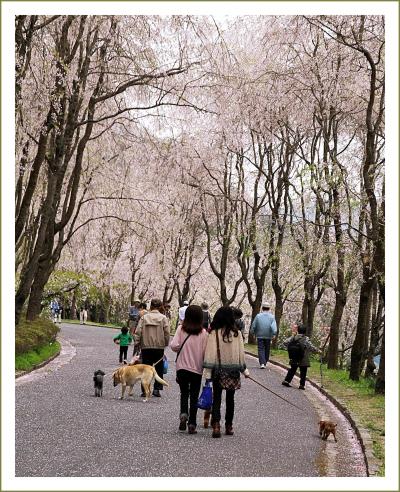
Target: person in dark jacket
(304, 363)
(206, 316)
(238, 315)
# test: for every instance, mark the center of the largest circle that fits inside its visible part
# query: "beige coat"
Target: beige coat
(152, 331)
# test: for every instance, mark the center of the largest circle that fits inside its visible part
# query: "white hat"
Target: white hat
(186, 303)
(266, 304)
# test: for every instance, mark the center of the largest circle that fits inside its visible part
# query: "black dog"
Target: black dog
(98, 382)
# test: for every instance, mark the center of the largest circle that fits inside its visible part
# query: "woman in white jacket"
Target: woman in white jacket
(224, 361)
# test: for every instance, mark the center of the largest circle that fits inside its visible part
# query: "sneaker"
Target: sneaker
(156, 393)
(262, 366)
(285, 383)
(182, 425)
(301, 387)
(125, 361)
(192, 429)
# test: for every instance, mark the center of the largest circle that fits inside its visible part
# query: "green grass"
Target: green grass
(28, 360)
(91, 323)
(358, 396)
(33, 335)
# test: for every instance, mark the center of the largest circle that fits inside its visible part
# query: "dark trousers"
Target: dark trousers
(264, 346)
(190, 384)
(292, 371)
(216, 406)
(123, 353)
(149, 356)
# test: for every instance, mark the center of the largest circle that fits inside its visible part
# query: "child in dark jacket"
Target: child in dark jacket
(124, 339)
(304, 363)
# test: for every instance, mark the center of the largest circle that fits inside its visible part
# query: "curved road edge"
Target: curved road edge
(66, 354)
(363, 436)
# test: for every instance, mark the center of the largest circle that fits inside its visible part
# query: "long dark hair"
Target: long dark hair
(224, 319)
(193, 322)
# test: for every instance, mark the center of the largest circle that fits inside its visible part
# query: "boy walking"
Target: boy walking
(299, 349)
(123, 339)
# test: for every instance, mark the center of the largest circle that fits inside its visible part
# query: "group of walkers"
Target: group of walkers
(209, 348)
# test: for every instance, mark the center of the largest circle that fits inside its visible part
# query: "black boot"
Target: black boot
(156, 392)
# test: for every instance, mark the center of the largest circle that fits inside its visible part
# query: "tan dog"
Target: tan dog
(128, 375)
(325, 428)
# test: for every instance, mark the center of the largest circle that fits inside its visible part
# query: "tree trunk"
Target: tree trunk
(308, 309)
(377, 308)
(358, 352)
(73, 306)
(380, 380)
(333, 349)
(278, 308)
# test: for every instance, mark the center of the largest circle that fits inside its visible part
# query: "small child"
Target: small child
(124, 339)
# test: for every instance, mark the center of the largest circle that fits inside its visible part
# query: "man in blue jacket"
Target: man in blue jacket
(264, 329)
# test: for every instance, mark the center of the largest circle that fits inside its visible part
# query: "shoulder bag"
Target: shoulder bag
(228, 379)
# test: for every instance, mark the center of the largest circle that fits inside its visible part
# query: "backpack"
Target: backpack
(133, 313)
(295, 350)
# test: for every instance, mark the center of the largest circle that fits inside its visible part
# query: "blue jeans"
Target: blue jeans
(264, 345)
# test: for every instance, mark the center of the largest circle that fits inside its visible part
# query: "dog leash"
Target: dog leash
(155, 363)
(276, 394)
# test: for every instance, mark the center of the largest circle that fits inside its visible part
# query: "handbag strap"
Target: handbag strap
(218, 350)
(179, 351)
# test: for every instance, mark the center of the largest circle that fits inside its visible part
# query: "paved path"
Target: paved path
(63, 430)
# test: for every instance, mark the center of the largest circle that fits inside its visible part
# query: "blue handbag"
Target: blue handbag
(205, 399)
(165, 365)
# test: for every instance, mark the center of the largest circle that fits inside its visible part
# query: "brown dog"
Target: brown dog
(128, 375)
(325, 428)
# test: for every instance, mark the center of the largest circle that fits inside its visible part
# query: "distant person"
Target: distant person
(60, 311)
(54, 308)
(264, 329)
(206, 316)
(238, 315)
(152, 336)
(223, 363)
(123, 339)
(181, 312)
(167, 310)
(299, 349)
(133, 316)
(142, 309)
(83, 316)
(190, 342)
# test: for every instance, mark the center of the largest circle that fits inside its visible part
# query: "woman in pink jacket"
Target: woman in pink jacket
(190, 342)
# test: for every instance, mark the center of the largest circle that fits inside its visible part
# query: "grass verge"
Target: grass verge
(35, 342)
(31, 359)
(91, 323)
(358, 396)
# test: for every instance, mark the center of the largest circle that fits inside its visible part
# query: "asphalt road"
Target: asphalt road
(63, 430)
